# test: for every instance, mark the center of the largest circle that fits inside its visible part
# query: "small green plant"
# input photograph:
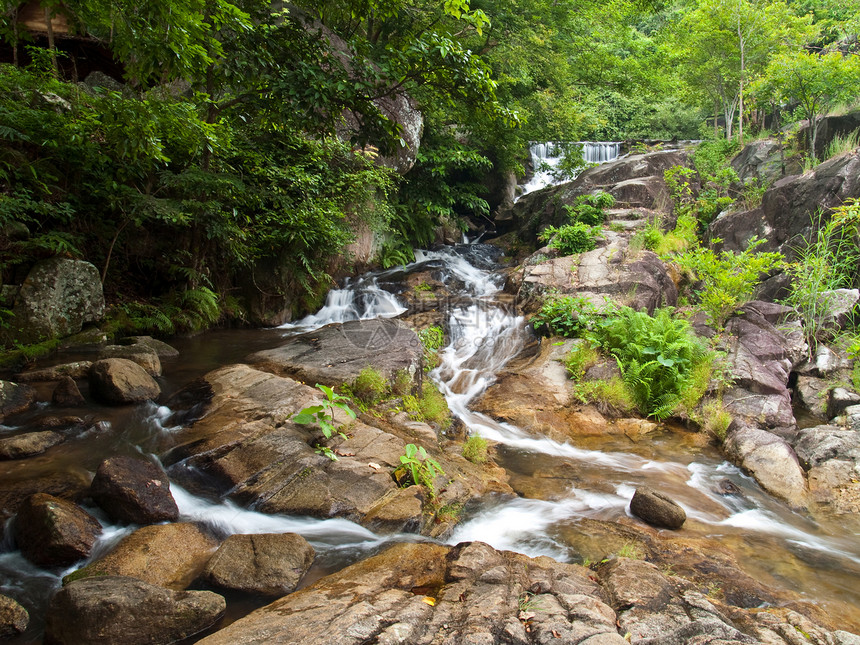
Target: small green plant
(323, 415)
(579, 359)
(841, 144)
(715, 419)
(611, 397)
(422, 286)
(449, 512)
(431, 339)
(752, 194)
(588, 209)
(325, 451)
(475, 449)
(631, 550)
(421, 467)
(570, 238)
(433, 407)
(369, 386)
(563, 316)
(528, 603)
(728, 278)
(401, 385)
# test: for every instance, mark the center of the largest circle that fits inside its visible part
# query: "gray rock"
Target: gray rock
(133, 490)
(144, 356)
(852, 415)
(67, 394)
(822, 443)
(54, 532)
(14, 619)
(770, 460)
(841, 637)
(15, 398)
(57, 298)
(28, 444)
(840, 399)
(119, 381)
(119, 610)
(811, 393)
(823, 364)
(337, 353)
(759, 160)
(76, 370)
(657, 509)
(270, 564)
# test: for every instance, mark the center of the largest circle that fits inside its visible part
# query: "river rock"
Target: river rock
(423, 593)
(168, 555)
(14, 619)
(822, 443)
(832, 455)
(840, 399)
(54, 532)
(58, 296)
(158, 346)
(67, 394)
(76, 370)
(770, 460)
(337, 353)
(28, 444)
(134, 490)
(14, 398)
(785, 215)
(657, 509)
(269, 564)
(144, 356)
(811, 393)
(72, 483)
(118, 381)
(120, 610)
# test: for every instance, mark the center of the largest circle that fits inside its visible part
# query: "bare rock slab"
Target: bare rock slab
(119, 381)
(168, 555)
(270, 564)
(134, 490)
(657, 509)
(121, 610)
(54, 532)
(14, 619)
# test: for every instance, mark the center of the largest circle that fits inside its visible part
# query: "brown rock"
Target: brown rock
(28, 444)
(15, 397)
(54, 532)
(169, 555)
(144, 356)
(118, 381)
(119, 610)
(133, 490)
(67, 394)
(75, 370)
(657, 509)
(13, 618)
(270, 564)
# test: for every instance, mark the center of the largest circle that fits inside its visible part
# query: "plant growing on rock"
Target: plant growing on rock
(570, 238)
(563, 316)
(475, 449)
(588, 209)
(323, 415)
(431, 340)
(422, 468)
(728, 278)
(369, 386)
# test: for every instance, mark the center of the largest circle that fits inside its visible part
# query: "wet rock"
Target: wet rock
(423, 593)
(58, 296)
(76, 370)
(657, 509)
(28, 444)
(144, 356)
(15, 398)
(168, 555)
(645, 192)
(399, 511)
(118, 381)
(14, 619)
(54, 532)
(120, 610)
(72, 484)
(770, 460)
(337, 353)
(269, 564)
(67, 394)
(840, 399)
(159, 347)
(133, 490)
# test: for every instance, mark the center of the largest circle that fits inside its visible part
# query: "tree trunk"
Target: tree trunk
(50, 26)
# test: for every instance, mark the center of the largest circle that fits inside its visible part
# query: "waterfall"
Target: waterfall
(547, 155)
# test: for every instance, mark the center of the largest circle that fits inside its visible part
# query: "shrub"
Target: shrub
(588, 209)
(580, 358)
(570, 238)
(656, 355)
(611, 397)
(728, 278)
(475, 449)
(402, 383)
(433, 406)
(369, 386)
(431, 339)
(563, 316)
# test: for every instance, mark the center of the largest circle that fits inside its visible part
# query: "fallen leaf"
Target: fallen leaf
(429, 600)
(374, 465)
(344, 453)
(555, 634)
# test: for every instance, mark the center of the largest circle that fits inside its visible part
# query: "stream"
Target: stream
(562, 485)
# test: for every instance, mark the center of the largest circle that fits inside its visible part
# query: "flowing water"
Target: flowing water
(562, 485)
(547, 155)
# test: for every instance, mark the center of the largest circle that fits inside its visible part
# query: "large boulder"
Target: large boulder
(14, 619)
(786, 215)
(337, 353)
(657, 509)
(832, 456)
(119, 610)
(168, 555)
(119, 381)
(271, 564)
(54, 532)
(760, 161)
(58, 296)
(143, 355)
(828, 128)
(134, 490)
(67, 394)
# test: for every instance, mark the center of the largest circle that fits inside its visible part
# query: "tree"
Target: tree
(816, 82)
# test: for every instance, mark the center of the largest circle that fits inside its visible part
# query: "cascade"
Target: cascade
(547, 155)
